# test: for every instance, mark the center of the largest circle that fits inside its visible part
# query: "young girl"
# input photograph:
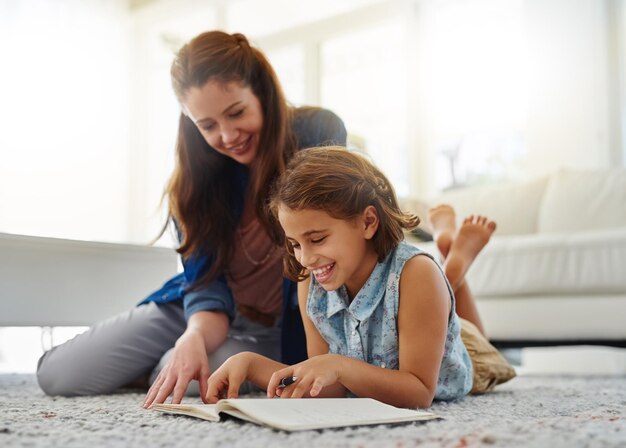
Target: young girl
(379, 314)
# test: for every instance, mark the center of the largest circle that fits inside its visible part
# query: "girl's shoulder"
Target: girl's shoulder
(422, 279)
(405, 252)
(414, 262)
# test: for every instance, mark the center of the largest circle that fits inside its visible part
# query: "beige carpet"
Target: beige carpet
(527, 412)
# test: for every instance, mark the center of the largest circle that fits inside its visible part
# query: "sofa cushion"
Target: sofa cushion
(566, 263)
(514, 206)
(584, 200)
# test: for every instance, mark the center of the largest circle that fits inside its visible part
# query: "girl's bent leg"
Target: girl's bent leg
(112, 353)
(466, 306)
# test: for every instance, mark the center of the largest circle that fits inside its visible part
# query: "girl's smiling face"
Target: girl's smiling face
(336, 251)
(229, 117)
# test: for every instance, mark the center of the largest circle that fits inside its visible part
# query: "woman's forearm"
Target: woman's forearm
(212, 325)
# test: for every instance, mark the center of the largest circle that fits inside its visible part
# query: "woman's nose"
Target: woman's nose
(230, 135)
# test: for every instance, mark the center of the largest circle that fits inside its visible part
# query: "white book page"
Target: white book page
(307, 413)
(203, 411)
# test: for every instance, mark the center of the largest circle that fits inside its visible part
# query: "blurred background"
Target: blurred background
(442, 94)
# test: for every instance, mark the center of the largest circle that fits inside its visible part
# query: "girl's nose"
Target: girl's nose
(307, 258)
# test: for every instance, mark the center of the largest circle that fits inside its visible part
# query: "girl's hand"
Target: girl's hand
(189, 361)
(312, 375)
(226, 380)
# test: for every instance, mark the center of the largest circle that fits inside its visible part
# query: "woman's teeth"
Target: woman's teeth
(239, 147)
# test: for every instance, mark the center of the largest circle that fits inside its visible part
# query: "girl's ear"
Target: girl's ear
(370, 222)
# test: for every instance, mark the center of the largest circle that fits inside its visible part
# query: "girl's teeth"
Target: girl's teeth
(323, 270)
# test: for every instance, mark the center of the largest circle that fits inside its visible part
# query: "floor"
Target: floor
(529, 411)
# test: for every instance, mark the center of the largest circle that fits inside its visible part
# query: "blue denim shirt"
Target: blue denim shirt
(312, 127)
(367, 327)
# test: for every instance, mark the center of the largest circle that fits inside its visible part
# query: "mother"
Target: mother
(236, 134)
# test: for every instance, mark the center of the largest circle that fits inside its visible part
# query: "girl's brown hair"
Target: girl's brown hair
(342, 184)
(201, 189)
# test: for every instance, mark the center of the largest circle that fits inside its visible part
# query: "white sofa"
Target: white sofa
(555, 270)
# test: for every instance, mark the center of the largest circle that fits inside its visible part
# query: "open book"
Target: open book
(296, 414)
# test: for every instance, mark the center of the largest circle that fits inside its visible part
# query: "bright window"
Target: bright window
(64, 116)
(289, 64)
(363, 79)
(475, 70)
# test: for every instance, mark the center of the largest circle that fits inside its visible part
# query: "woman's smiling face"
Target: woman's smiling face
(229, 117)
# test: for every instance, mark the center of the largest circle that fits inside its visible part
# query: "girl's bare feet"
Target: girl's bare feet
(442, 221)
(472, 236)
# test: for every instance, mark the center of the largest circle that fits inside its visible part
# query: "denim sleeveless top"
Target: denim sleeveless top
(367, 328)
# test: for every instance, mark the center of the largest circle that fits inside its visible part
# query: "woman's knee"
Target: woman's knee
(52, 377)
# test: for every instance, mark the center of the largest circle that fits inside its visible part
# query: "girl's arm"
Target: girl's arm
(422, 326)
(423, 316)
(226, 381)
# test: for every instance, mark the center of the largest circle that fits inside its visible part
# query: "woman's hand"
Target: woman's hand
(226, 381)
(312, 375)
(189, 361)
(205, 332)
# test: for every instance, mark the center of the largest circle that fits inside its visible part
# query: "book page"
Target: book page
(203, 411)
(298, 414)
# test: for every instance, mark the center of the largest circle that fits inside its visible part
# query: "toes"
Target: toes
(480, 220)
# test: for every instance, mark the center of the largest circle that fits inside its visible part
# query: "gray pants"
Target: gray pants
(117, 351)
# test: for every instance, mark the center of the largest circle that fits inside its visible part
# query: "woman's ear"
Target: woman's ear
(370, 222)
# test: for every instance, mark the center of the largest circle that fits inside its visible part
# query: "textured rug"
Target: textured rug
(529, 411)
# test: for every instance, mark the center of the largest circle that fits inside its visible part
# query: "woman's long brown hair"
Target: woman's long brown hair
(201, 190)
